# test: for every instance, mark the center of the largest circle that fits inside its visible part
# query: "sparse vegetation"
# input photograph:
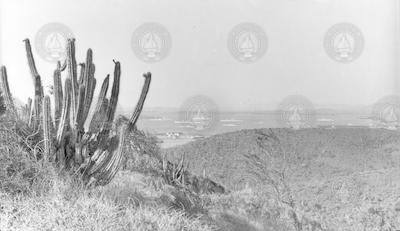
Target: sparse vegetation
(57, 175)
(49, 166)
(95, 153)
(327, 180)
(275, 168)
(36, 197)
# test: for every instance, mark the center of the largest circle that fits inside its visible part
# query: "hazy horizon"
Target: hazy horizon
(199, 62)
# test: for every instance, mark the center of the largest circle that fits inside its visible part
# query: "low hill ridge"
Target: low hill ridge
(332, 152)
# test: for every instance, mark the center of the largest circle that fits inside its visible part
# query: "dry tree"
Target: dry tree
(276, 167)
(96, 151)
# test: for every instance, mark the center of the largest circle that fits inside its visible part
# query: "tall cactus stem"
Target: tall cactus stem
(47, 128)
(88, 82)
(31, 60)
(35, 75)
(82, 73)
(28, 110)
(90, 86)
(112, 106)
(58, 94)
(97, 116)
(37, 105)
(64, 119)
(71, 65)
(139, 105)
(6, 92)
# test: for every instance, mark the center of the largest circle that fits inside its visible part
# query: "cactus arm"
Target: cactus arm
(48, 144)
(91, 94)
(91, 88)
(112, 103)
(71, 66)
(6, 92)
(93, 83)
(112, 106)
(82, 73)
(110, 170)
(63, 125)
(99, 118)
(58, 95)
(32, 67)
(64, 119)
(107, 163)
(35, 123)
(103, 92)
(101, 157)
(37, 105)
(28, 110)
(63, 66)
(31, 60)
(31, 116)
(88, 83)
(95, 123)
(78, 123)
(88, 65)
(139, 105)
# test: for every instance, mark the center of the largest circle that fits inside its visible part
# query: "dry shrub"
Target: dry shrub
(142, 153)
(20, 172)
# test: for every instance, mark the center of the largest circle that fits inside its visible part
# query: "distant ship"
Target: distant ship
(230, 125)
(230, 120)
(158, 119)
(196, 137)
(326, 123)
(173, 135)
(182, 122)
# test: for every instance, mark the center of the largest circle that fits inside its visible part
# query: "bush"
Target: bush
(142, 153)
(2, 105)
(20, 172)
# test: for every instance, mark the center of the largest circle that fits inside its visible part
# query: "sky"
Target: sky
(199, 61)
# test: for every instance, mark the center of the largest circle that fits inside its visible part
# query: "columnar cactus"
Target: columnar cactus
(101, 107)
(27, 111)
(47, 129)
(37, 82)
(58, 93)
(97, 151)
(6, 92)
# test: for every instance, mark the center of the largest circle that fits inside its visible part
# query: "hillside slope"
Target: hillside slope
(331, 152)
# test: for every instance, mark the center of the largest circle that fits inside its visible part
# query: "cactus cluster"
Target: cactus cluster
(94, 151)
